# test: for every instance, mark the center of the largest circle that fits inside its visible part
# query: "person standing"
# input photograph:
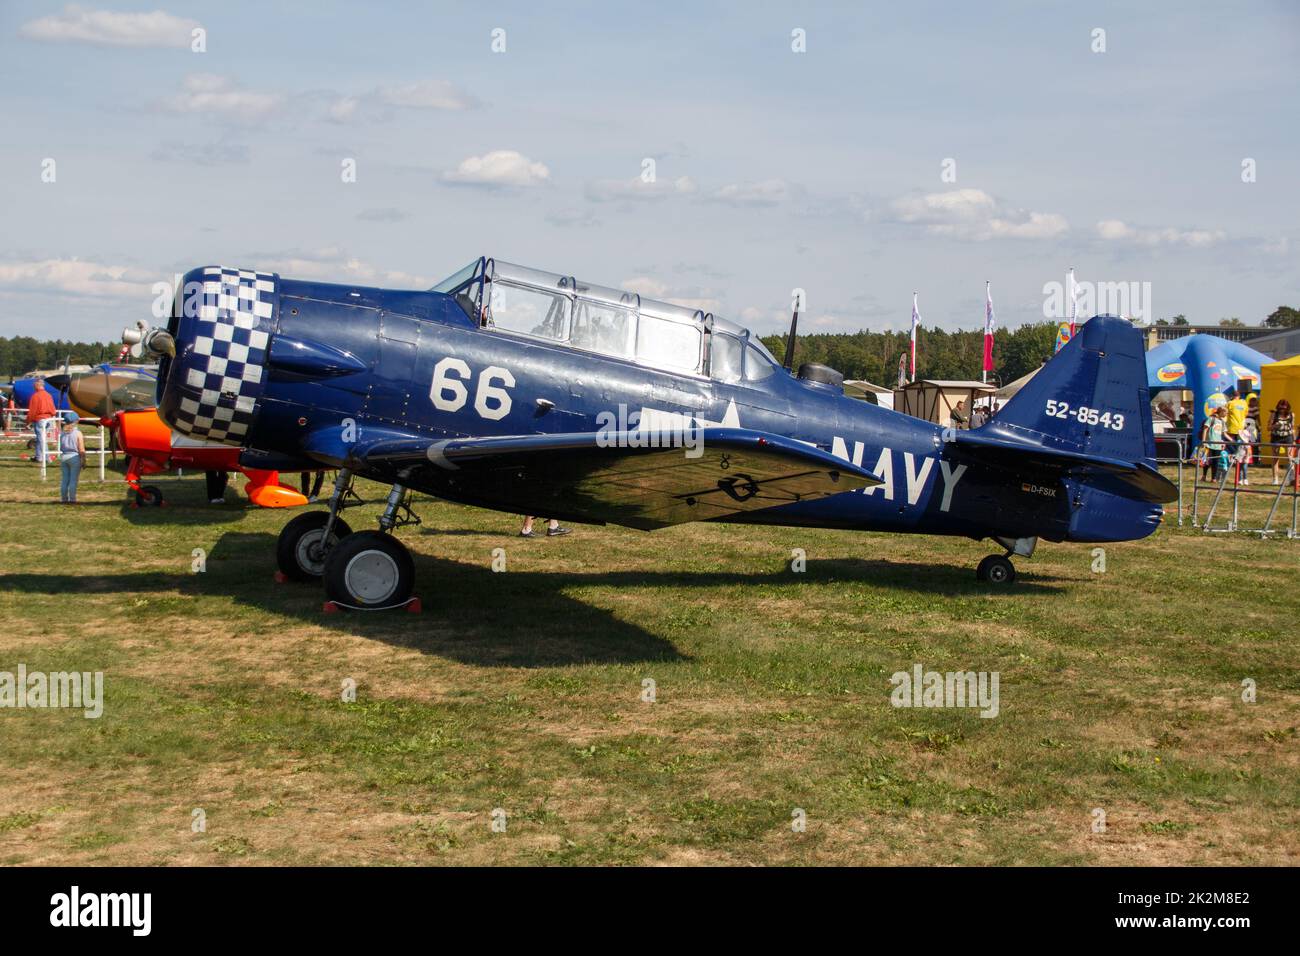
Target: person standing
(1214, 455)
(72, 458)
(40, 409)
(1281, 433)
(1237, 408)
(1249, 436)
(216, 482)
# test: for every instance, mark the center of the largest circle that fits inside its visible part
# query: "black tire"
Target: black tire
(995, 569)
(369, 569)
(297, 551)
(149, 496)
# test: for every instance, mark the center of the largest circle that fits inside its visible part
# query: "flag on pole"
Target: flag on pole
(989, 323)
(916, 322)
(902, 369)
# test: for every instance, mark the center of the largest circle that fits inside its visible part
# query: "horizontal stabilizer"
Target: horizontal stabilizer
(1138, 479)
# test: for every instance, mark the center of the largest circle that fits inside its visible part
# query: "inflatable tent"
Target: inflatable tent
(1206, 364)
(1281, 380)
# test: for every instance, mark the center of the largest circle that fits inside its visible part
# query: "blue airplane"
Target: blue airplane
(531, 392)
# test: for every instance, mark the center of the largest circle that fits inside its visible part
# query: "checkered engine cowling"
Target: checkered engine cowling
(223, 332)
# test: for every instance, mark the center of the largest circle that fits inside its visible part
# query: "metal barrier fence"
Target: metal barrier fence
(1229, 464)
(1170, 450)
(19, 434)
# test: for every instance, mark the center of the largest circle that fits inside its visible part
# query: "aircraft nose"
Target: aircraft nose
(89, 394)
(219, 333)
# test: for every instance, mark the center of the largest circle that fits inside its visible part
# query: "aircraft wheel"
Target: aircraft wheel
(300, 551)
(369, 569)
(149, 496)
(996, 569)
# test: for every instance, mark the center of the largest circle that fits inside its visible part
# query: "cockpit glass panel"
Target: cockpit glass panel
(458, 279)
(603, 328)
(672, 345)
(757, 343)
(517, 308)
(509, 272)
(759, 363)
(724, 357)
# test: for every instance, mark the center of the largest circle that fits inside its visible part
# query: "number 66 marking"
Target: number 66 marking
(448, 392)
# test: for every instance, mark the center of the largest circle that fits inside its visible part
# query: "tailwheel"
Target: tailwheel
(995, 569)
(369, 570)
(149, 496)
(302, 548)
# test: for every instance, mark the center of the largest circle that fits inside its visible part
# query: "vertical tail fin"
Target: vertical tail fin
(1090, 398)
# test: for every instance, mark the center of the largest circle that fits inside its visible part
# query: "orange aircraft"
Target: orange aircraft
(152, 448)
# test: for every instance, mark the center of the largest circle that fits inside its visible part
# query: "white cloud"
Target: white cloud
(380, 103)
(201, 154)
(643, 285)
(333, 264)
(344, 108)
(78, 278)
(609, 190)
(427, 95)
(649, 288)
(108, 28)
(501, 167)
(946, 208)
(215, 94)
(769, 192)
(567, 218)
(974, 214)
(1115, 230)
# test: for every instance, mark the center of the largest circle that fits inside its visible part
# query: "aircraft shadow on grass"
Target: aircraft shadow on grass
(475, 616)
(183, 504)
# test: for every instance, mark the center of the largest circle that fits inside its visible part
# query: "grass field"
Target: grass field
(522, 691)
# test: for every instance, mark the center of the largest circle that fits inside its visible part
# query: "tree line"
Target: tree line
(939, 354)
(955, 355)
(23, 354)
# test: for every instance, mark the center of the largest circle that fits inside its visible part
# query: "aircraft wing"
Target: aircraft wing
(606, 477)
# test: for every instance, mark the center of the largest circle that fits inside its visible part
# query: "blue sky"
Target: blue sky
(773, 169)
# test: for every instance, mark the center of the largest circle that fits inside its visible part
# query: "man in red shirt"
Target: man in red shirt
(40, 409)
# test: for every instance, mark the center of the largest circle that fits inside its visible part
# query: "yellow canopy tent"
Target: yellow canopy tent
(1281, 380)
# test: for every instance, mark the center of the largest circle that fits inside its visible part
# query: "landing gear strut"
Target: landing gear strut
(371, 569)
(996, 569)
(305, 541)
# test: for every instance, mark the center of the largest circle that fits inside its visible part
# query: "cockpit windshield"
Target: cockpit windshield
(458, 278)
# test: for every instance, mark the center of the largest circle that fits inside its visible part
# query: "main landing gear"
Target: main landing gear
(996, 569)
(366, 570)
